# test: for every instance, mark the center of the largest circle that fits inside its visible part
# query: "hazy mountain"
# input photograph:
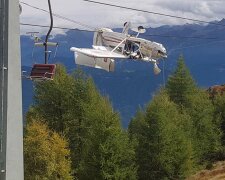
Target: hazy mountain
(133, 83)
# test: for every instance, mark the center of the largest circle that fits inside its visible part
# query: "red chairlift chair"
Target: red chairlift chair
(45, 71)
(42, 72)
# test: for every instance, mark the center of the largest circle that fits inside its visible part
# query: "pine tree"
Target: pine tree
(46, 153)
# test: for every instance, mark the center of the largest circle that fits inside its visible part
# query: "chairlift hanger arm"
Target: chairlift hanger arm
(41, 44)
(47, 36)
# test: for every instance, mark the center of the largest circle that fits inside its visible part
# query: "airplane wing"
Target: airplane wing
(99, 57)
(98, 52)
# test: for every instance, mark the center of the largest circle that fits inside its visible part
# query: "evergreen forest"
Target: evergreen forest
(73, 132)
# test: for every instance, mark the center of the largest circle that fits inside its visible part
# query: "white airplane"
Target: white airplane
(108, 45)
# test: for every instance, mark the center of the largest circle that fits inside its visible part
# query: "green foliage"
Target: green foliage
(163, 151)
(179, 132)
(219, 104)
(205, 132)
(180, 84)
(59, 102)
(136, 124)
(113, 157)
(71, 105)
(117, 158)
(46, 154)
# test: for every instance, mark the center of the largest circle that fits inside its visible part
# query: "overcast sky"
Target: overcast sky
(98, 16)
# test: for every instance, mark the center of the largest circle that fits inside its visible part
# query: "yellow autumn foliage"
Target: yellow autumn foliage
(46, 154)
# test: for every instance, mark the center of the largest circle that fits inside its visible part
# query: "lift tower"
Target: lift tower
(11, 124)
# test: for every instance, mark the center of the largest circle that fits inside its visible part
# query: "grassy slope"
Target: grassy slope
(217, 172)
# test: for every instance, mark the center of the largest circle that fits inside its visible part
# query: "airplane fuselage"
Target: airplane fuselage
(133, 47)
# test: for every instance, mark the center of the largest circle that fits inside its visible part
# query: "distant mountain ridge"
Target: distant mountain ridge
(133, 83)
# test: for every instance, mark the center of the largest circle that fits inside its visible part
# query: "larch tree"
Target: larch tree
(206, 133)
(163, 150)
(180, 84)
(219, 105)
(190, 99)
(72, 105)
(46, 153)
(113, 157)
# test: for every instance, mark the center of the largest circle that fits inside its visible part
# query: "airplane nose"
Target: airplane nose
(165, 54)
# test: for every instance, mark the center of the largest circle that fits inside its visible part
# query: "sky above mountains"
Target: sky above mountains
(96, 15)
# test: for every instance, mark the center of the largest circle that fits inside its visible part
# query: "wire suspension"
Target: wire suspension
(50, 29)
(152, 12)
(59, 16)
(144, 35)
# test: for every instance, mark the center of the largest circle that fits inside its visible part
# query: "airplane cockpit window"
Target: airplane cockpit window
(132, 49)
(131, 46)
(135, 47)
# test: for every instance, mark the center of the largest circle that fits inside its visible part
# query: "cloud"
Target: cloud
(103, 16)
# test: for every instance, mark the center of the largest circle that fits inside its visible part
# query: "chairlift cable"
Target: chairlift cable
(123, 7)
(181, 37)
(94, 29)
(145, 35)
(59, 16)
(155, 13)
(55, 27)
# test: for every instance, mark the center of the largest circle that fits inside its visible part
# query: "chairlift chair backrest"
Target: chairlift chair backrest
(43, 72)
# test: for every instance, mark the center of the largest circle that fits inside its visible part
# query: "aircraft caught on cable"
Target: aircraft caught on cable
(108, 45)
